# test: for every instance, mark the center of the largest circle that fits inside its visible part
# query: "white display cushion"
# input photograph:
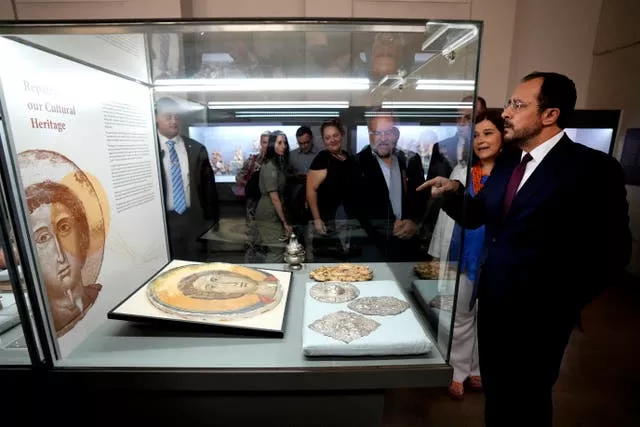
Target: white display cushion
(358, 334)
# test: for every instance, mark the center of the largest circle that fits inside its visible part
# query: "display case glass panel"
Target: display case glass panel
(19, 342)
(214, 142)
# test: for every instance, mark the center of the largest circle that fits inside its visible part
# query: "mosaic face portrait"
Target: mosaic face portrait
(61, 234)
(68, 215)
(217, 285)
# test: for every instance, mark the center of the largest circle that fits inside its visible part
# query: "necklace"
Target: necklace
(339, 156)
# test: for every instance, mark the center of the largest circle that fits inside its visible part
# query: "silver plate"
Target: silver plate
(344, 326)
(334, 292)
(379, 306)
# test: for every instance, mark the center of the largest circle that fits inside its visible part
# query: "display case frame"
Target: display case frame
(332, 379)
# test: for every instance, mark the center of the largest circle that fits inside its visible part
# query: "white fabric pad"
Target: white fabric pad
(401, 334)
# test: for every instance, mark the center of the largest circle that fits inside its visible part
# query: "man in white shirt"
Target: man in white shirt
(191, 199)
(300, 159)
(556, 232)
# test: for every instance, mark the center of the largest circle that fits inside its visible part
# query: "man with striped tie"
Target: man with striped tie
(191, 199)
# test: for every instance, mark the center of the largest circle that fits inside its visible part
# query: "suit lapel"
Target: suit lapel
(495, 188)
(544, 177)
(403, 165)
(375, 171)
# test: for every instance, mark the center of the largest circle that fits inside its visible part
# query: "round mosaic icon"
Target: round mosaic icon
(218, 290)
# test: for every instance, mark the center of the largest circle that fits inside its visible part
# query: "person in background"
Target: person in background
(271, 218)
(330, 192)
(556, 233)
(487, 144)
(248, 178)
(300, 160)
(445, 155)
(391, 210)
(191, 198)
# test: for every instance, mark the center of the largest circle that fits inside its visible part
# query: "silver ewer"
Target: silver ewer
(294, 254)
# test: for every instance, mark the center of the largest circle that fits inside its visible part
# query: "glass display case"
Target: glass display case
(226, 197)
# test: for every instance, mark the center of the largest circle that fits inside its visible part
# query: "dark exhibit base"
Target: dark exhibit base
(324, 398)
(325, 409)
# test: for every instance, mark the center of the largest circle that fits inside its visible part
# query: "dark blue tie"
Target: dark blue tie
(177, 186)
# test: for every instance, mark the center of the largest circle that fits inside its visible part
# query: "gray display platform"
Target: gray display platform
(230, 372)
(125, 344)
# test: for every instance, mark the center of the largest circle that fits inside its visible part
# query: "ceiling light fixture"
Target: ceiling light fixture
(439, 85)
(240, 105)
(427, 105)
(247, 85)
(253, 114)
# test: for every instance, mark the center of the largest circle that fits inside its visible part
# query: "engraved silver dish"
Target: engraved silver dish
(379, 306)
(334, 292)
(344, 326)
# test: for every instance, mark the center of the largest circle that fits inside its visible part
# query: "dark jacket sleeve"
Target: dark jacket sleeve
(438, 164)
(466, 210)
(416, 201)
(618, 235)
(608, 236)
(207, 187)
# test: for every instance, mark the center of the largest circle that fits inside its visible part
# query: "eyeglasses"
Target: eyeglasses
(386, 133)
(516, 104)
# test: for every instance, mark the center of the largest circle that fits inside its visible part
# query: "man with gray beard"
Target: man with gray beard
(390, 209)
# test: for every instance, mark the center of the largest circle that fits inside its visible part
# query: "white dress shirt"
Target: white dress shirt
(393, 178)
(539, 153)
(183, 158)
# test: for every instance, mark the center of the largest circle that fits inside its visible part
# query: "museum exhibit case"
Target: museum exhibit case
(228, 207)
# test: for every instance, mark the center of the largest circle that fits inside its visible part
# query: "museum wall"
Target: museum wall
(6, 10)
(614, 84)
(97, 9)
(552, 35)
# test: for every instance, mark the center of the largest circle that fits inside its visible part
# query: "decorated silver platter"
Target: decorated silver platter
(334, 292)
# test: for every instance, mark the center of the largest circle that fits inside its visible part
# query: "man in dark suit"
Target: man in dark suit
(390, 209)
(557, 230)
(191, 198)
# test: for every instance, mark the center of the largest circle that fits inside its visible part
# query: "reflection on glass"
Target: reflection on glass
(487, 144)
(13, 348)
(361, 119)
(191, 198)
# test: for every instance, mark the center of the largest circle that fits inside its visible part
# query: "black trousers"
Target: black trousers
(520, 350)
(184, 235)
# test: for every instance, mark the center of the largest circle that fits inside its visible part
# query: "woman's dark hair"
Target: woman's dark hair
(494, 116)
(281, 161)
(335, 123)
